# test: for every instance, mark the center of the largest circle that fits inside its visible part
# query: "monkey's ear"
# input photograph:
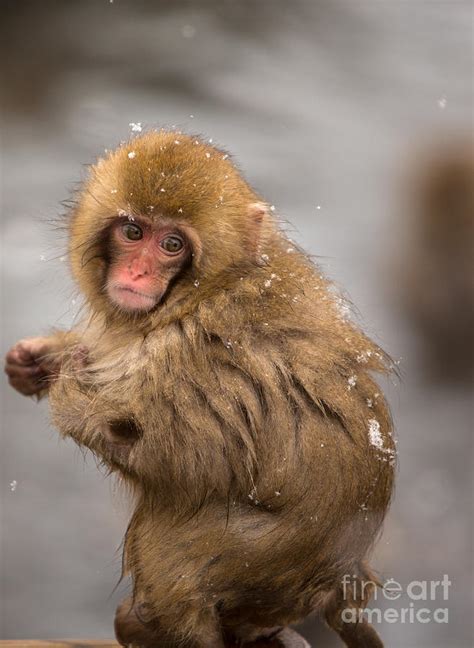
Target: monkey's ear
(260, 226)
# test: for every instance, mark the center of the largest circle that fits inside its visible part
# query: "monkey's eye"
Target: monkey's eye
(171, 244)
(132, 231)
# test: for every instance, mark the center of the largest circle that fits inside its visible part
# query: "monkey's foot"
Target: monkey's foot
(133, 628)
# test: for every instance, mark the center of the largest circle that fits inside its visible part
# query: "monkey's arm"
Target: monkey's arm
(33, 363)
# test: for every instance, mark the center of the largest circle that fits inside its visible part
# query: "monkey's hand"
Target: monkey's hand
(33, 363)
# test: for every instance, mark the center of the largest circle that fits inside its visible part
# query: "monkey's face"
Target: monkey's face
(144, 259)
(159, 217)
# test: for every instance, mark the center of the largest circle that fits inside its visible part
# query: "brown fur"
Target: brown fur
(244, 402)
(437, 287)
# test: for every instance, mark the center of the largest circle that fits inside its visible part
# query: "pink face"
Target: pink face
(144, 259)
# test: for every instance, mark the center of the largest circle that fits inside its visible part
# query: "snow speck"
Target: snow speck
(396, 363)
(188, 31)
(253, 496)
(343, 307)
(370, 402)
(113, 191)
(136, 127)
(208, 155)
(224, 157)
(62, 259)
(13, 485)
(364, 356)
(42, 257)
(265, 257)
(272, 208)
(177, 142)
(196, 283)
(351, 382)
(180, 210)
(191, 116)
(290, 250)
(267, 283)
(375, 436)
(318, 206)
(130, 218)
(376, 439)
(442, 101)
(131, 155)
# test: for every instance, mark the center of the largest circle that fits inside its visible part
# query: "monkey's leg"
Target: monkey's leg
(134, 627)
(358, 634)
(207, 631)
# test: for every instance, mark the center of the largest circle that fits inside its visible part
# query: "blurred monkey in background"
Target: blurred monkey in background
(437, 287)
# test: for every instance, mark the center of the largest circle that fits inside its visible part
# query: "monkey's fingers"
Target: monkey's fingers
(27, 388)
(36, 349)
(23, 371)
(19, 355)
(28, 380)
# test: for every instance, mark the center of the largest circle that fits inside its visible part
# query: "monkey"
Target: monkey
(218, 373)
(437, 287)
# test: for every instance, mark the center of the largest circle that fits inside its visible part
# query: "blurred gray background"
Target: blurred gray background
(325, 105)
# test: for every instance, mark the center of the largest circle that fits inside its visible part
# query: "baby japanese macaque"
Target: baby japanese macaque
(217, 373)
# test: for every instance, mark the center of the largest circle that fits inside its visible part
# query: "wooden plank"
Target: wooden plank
(286, 639)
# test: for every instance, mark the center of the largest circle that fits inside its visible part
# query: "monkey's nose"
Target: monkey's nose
(138, 269)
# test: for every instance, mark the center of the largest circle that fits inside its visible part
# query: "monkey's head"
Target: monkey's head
(158, 217)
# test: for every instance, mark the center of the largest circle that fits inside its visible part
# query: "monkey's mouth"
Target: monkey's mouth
(130, 299)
